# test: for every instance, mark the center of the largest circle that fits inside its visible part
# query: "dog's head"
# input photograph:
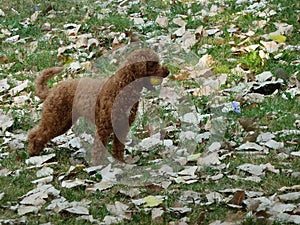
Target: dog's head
(144, 63)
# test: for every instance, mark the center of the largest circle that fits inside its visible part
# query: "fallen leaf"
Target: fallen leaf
(179, 180)
(279, 207)
(1, 195)
(201, 218)
(157, 213)
(5, 32)
(2, 14)
(214, 197)
(131, 192)
(214, 147)
(169, 95)
(250, 146)
(118, 209)
(78, 210)
(39, 160)
(264, 137)
(296, 153)
(112, 220)
(71, 29)
(152, 201)
(45, 171)
(249, 124)
(193, 157)
(210, 159)
(188, 40)
(35, 199)
(57, 205)
(72, 183)
(43, 180)
(251, 48)
(286, 217)
(238, 198)
(99, 186)
(46, 27)
(138, 21)
(162, 21)
(270, 46)
(193, 118)
(264, 76)
(180, 32)
(205, 62)
(23, 210)
(12, 39)
(19, 88)
(211, 32)
(61, 204)
(180, 22)
(294, 187)
(4, 86)
(292, 196)
(278, 38)
(274, 144)
(181, 210)
(190, 171)
(257, 170)
(109, 174)
(215, 177)
(21, 100)
(284, 28)
(6, 120)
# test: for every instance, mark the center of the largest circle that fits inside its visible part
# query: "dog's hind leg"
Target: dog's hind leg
(43, 133)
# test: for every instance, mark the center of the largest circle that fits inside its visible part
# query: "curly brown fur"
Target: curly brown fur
(100, 101)
(41, 81)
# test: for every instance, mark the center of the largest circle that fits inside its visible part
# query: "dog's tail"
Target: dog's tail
(41, 87)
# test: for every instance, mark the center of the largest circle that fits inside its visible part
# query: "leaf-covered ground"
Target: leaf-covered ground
(217, 143)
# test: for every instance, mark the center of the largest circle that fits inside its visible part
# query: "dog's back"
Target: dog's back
(85, 98)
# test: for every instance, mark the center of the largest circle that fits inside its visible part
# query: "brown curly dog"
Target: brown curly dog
(111, 104)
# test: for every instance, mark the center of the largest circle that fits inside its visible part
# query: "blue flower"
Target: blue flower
(236, 107)
(36, 8)
(238, 111)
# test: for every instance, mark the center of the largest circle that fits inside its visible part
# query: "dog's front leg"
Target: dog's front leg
(118, 148)
(99, 149)
(122, 132)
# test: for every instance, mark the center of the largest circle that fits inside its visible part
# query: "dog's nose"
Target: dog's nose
(166, 71)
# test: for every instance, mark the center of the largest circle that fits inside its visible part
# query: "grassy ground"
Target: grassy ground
(274, 113)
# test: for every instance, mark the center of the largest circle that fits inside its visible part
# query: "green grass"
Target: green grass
(284, 111)
(274, 113)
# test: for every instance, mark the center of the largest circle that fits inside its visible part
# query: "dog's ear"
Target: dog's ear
(152, 65)
(142, 67)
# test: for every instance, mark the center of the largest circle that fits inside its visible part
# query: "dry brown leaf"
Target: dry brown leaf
(180, 77)
(205, 62)
(180, 32)
(162, 21)
(180, 22)
(249, 124)
(3, 59)
(204, 91)
(238, 198)
(294, 187)
(6, 120)
(157, 215)
(270, 46)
